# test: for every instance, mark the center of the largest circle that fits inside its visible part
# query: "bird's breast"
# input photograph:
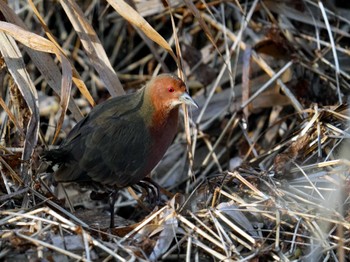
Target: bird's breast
(162, 135)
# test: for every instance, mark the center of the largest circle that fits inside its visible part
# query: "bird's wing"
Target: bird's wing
(117, 107)
(108, 148)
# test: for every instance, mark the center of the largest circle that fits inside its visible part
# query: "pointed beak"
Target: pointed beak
(186, 99)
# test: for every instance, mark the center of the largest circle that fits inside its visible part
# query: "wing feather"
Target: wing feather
(105, 148)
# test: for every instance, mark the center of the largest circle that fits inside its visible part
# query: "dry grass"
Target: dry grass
(259, 172)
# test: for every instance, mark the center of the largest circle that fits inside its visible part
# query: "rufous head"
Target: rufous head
(168, 91)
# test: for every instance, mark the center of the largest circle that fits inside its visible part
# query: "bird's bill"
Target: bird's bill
(186, 99)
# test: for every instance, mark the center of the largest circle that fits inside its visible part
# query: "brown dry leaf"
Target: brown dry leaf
(93, 47)
(44, 62)
(133, 17)
(296, 149)
(256, 208)
(65, 93)
(41, 44)
(11, 116)
(16, 67)
(275, 45)
(10, 171)
(76, 78)
(154, 7)
(121, 231)
(27, 38)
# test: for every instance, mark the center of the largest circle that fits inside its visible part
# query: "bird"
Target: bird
(122, 139)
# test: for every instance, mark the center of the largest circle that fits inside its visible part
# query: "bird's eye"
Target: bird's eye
(171, 89)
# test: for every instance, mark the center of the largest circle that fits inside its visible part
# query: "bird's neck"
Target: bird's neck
(165, 119)
(162, 126)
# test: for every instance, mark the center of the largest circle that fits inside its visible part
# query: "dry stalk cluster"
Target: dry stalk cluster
(260, 172)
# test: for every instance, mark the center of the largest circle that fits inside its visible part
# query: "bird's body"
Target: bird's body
(121, 140)
(114, 148)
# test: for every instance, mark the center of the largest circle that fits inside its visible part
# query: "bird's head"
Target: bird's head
(168, 92)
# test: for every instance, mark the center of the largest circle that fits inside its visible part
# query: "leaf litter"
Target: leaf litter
(259, 172)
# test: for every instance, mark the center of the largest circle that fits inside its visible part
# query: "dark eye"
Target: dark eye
(171, 89)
